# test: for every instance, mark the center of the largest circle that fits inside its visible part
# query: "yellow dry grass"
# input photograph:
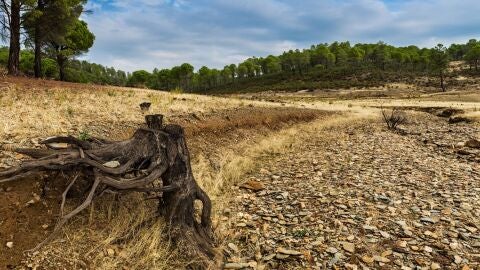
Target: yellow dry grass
(400, 95)
(469, 101)
(134, 220)
(29, 113)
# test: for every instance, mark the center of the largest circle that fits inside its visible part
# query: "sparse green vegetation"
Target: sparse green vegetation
(84, 135)
(70, 111)
(300, 233)
(111, 93)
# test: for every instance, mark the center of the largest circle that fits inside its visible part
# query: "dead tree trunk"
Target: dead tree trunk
(155, 159)
(14, 50)
(442, 81)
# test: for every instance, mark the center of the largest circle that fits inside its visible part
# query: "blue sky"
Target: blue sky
(144, 34)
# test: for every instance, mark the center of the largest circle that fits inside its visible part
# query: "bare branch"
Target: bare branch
(394, 118)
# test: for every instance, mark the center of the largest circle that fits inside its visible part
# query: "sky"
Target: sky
(147, 34)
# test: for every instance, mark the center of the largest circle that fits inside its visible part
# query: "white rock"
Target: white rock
(233, 247)
(350, 247)
(458, 259)
(385, 234)
(402, 223)
(30, 202)
(110, 252)
(281, 256)
(466, 206)
(427, 220)
(332, 250)
(288, 251)
(112, 164)
(268, 257)
(236, 265)
(351, 266)
(381, 259)
(369, 228)
(58, 145)
(10, 244)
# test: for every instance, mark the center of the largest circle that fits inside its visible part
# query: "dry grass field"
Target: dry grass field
(335, 182)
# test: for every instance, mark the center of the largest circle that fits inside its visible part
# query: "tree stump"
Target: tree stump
(155, 159)
(145, 106)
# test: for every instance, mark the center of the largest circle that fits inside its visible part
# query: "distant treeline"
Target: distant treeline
(75, 70)
(323, 63)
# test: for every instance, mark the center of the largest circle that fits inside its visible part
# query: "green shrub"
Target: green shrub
(177, 90)
(84, 135)
(139, 78)
(74, 75)
(49, 68)
(27, 62)
(3, 56)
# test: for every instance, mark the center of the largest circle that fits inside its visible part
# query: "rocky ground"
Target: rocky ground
(362, 197)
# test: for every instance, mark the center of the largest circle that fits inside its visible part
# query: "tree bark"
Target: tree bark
(442, 84)
(61, 61)
(14, 50)
(38, 42)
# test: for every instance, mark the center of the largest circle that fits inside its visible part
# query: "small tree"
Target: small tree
(382, 55)
(394, 118)
(139, 78)
(11, 23)
(439, 63)
(185, 73)
(473, 56)
(77, 41)
(233, 71)
(49, 20)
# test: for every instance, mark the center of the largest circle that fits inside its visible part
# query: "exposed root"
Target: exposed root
(155, 161)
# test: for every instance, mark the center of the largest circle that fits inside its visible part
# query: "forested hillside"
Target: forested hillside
(320, 66)
(332, 66)
(75, 70)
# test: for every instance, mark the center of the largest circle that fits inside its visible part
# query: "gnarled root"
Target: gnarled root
(155, 159)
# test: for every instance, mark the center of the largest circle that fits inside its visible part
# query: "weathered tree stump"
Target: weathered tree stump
(145, 106)
(155, 159)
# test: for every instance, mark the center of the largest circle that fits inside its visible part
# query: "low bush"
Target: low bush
(394, 117)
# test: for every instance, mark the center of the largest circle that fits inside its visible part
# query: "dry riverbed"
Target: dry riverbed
(359, 196)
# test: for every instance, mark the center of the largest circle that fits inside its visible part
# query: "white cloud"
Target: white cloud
(144, 34)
